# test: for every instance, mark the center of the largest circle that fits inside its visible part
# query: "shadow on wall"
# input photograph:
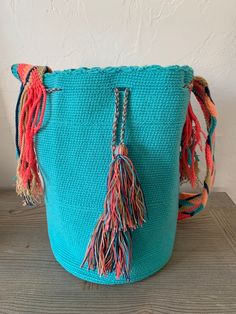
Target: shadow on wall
(7, 151)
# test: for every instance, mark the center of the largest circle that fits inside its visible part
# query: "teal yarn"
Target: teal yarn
(73, 151)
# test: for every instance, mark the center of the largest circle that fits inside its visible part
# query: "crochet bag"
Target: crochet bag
(108, 147)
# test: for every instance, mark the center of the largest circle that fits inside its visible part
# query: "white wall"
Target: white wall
(64, 34)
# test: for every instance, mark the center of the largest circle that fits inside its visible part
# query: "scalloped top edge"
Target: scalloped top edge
(123, 68)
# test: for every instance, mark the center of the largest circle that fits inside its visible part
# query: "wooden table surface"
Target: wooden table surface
(200, 278)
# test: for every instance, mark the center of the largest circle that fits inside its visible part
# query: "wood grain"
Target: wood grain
(200, 278)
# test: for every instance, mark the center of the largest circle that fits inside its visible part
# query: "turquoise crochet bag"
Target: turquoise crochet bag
(107, 148)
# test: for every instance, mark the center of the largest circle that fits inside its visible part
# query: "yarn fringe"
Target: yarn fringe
(31, 107)
(124, 203)
(191, 139)
(109, 251)
(110, 248)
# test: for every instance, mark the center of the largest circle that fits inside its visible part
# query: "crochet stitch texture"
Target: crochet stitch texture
(73, 151)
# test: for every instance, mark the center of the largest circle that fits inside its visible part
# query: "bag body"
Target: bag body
(73, 148)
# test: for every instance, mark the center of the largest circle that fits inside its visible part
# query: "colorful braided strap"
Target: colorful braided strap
(192, 203)
(29, 117)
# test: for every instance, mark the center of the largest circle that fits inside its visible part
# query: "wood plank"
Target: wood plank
(200, 278)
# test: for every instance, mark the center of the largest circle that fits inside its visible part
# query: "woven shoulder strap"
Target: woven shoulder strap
(192, 203)
(29, 117)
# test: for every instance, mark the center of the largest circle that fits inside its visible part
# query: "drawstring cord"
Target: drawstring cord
(110, 247)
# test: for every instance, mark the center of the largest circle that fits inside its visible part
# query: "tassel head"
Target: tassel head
(121, 150)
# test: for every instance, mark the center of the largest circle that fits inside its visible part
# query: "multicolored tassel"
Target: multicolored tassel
(192, 203)
(29, 117)
(110, 248)
(191, 138)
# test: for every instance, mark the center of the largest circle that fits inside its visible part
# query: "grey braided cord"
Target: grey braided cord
(115, 120)
(116, 117)
(124, 114)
